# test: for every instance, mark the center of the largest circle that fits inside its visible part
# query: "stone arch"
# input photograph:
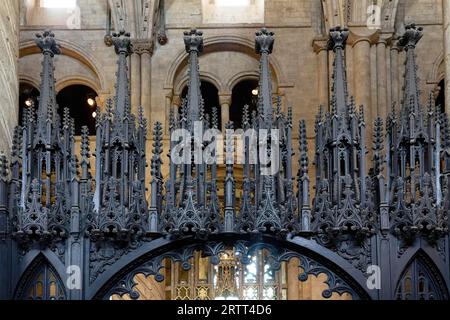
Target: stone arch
(34, 264)
(421, 262)
(204, 76)
(146, 260)
(73, 51)
(242, 76)
(70, 81)
(220, 44)
(437, 72)
(32, 81)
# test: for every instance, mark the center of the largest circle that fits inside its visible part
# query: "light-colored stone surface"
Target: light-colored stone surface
(9, 85)
(446, 38)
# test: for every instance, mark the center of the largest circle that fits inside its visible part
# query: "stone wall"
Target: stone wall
(9, 31)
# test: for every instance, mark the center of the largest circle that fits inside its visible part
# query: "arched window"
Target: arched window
(229, 279)
(420, 282)
(440, 99)
(210, 96)
(43, 283)
(244, 93)
(81, 101)
(28, 97)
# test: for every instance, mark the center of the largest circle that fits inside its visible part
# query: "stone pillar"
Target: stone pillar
(361, 60)
(393, 73)
(171, 105)
(225, 103)
(361, 41)
(146, 83)
(176, 101)
(383, 107)
(9, 83)
(143, 49)
(9, 104)
(323, 87)
(446, 10)
(135, 81)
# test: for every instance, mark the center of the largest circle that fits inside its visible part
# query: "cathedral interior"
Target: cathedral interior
(347, 99)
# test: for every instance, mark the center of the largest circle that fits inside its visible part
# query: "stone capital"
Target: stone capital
(320, 44)
(47, 43)
(142, 46)
(193, 41)
(225, 99)
(363, 35)
(122, 42)
(411, 37)
(386, 38)
(264, 41)
(176, 100)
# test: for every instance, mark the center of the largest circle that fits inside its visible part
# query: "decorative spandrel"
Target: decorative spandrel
(214, 271)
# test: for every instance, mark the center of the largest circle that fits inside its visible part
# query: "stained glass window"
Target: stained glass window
(418, 283)
(44, 285)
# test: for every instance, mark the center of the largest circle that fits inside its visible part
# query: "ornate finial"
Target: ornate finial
(17, 143)
(194, 45)
(289, 117)
(215, 118)
(411, 37)
(47, 43)
(303, 161)
(352, 106)
(246, 117)
(338, 38)
(334, 108)
(278, 110)
(264, 41)
(122, 42)
(362, 117)
(66, 119)
(157, 150)
(3, 167)
(172, 124)
(184, 111)
(445, 128)
(193, 40)
(109, 108)
(378, 146)
(141, 118)
(85, 143)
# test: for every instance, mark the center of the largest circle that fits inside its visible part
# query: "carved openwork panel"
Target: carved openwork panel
(219, 271)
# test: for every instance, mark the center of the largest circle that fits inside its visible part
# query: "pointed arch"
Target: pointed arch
(421, 280)
(40, 281)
